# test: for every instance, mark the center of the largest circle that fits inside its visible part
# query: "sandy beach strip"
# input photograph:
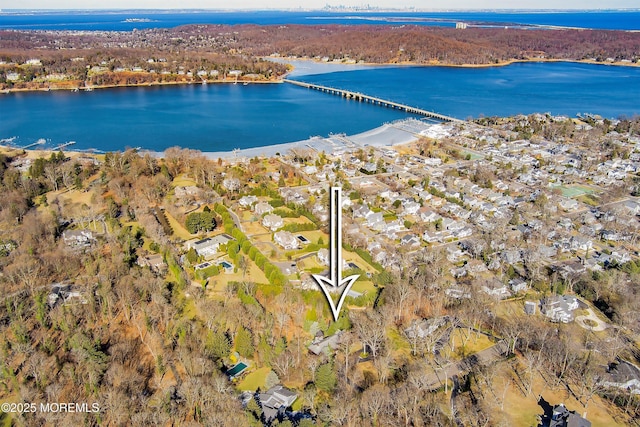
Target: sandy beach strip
(401, 132)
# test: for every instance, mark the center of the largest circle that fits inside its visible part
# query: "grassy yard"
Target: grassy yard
(254, 274)
(363, 286)
(464, 343)
(183, 181)
(178, 229)
(253, 380)
(523, 410)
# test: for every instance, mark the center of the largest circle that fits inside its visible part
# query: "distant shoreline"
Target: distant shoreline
(151, 84)
(343, 67)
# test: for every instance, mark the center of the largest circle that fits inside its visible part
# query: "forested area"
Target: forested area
(219, 52)
(151, 348)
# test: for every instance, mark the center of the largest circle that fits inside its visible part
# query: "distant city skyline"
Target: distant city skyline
(435, 5)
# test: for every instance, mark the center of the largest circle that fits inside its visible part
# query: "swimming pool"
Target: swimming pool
(236, 370)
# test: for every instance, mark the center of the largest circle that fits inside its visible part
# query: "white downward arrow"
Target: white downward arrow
(335, 257)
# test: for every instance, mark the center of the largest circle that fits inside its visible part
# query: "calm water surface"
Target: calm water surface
(224, 117)
(128, 20)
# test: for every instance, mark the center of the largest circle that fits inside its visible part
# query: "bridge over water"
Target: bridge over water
(374, 100)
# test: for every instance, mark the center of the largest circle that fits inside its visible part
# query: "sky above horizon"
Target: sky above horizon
(316, 4)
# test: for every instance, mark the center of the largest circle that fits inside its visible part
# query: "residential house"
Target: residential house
(272, 222)
(463, 232)
(361, 211)
(248, 201)
(323, 256)
(623, 375)
(155, 262)
(410, 240)
(321, 212)
(427, 215)
(375, 220)
(426, 327)
(457, 293)
(512, 256)
(231, 184)
(411, 208)
(209, 246)
(286, 239)
(190, 190)
(63, 293)
(262, 208)
(559, 308)
(475, 266)
(518, 285)
(275, 401)
(562, 417)
(568, 204)
(632, 207)
(321, 344)
(294, 196)
(496, 289)
(437, 236)
(78, 238)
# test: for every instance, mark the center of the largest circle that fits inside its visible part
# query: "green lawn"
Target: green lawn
(182, 181)
(178, 229)
(255, 379)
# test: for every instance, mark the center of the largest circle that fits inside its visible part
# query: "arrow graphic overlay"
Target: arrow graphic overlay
(335, 280)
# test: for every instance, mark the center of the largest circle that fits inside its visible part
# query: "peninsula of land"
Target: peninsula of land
(70, 60)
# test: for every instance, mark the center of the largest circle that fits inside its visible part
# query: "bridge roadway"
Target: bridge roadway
(373, 100)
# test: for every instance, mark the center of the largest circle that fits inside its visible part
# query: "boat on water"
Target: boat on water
(88, 89)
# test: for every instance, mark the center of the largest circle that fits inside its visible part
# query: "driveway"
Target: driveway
(599, 324)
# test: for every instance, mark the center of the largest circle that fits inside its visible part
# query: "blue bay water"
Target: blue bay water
(223, 117)
(128, 20)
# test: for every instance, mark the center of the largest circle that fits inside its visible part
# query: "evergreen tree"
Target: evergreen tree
(244, 343)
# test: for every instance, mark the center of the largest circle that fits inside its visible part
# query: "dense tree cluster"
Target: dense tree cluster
(197, 222)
